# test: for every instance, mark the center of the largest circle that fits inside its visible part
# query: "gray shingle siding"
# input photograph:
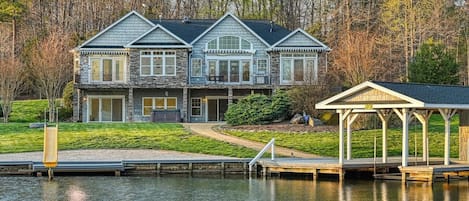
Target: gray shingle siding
(158, 35)
(124, 32)
(298, 39)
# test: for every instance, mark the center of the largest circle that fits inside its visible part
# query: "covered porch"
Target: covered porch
(406, 101)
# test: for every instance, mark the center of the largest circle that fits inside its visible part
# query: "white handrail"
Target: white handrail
(271, 144)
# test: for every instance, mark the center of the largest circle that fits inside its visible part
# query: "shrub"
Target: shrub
(67, 95)
(258, 109)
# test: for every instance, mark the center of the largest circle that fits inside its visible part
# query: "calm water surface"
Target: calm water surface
(186, 188)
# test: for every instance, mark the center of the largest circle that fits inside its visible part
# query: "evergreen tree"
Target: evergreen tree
(434, 64)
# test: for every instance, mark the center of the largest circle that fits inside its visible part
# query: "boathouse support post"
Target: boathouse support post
(342, 116)
(404, 114)
(350, 120)
(447, 114)
(384, 115)
(423, 117)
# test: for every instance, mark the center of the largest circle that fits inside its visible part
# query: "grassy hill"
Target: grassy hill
(28, 111)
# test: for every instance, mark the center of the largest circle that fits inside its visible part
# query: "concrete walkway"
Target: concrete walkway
(206, 129)
(111, 155)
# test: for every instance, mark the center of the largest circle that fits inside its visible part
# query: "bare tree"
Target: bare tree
(51, 66)
(355, 61)
(10, 76)
(10, 84)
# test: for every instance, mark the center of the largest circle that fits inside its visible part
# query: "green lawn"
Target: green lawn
(327, 144)
(17, 137)
(28, 110)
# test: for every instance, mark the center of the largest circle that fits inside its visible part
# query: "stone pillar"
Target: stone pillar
(76, 104)
(185, 101)
(230, 95)
(130, 105)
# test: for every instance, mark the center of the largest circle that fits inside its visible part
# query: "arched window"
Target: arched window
(229, 43)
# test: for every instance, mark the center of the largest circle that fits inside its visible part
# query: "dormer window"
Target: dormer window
(229, 43)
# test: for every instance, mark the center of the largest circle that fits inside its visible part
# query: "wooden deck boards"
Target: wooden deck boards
(417, 169)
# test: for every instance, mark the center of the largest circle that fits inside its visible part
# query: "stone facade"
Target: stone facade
(213, 96)
(177, 81)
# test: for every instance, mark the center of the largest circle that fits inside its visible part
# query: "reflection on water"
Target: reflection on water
(188, 188)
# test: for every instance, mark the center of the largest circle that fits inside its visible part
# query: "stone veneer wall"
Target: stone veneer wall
(179, 80)
(275, 67)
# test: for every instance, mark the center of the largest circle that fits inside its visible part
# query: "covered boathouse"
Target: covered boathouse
(406, 100)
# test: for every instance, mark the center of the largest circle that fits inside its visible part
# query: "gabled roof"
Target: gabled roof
(237, 20)
(313, 43)
(379, 95)
(263, 29)
(187, 31)
(114, 25)
(431, 93)
(145, 40)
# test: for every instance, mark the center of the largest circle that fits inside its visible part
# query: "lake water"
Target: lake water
(232, 189)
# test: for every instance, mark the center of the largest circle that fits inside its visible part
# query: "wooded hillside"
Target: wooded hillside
(374, 39)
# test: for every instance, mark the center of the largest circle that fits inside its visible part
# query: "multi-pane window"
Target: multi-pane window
(261, 66)
(158, 103)
(196, 106)
(196, 67)
(231, 71)
(158, 63)
(109, 69)
(298, 68)
(229, 43)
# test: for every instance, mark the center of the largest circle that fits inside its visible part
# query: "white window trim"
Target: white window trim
(266, 66)
(88, 103)
(239, 41)
(154, 103)
(241, 59)
(313, 71)
(200, 107)
(124, 69)
(192, 67)
(163, 56)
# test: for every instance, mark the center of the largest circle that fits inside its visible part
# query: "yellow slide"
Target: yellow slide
(50, 146)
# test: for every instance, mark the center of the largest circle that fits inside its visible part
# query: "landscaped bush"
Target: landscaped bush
(67, 95)
(258, 109)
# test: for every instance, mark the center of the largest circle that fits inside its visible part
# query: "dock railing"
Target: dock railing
(271, 145)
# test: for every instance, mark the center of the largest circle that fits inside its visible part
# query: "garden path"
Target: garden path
(206, 129)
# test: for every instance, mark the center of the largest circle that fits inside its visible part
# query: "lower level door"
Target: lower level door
(216, 109)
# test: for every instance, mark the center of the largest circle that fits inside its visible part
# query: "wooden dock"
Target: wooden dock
(417, 169)
(130, 167)
(317, 167)
(434, 172)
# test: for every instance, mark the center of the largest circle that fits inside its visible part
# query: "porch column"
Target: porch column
(423, 117)
(384, 115)
(447, 114)
(130, 106)
(230, 95)
(350, 120)
(405, 117)
(185, 101)
(342, 116)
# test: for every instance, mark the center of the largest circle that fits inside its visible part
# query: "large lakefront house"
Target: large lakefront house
(139, 69)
